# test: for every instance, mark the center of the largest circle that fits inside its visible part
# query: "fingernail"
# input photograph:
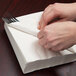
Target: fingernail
(39, 27)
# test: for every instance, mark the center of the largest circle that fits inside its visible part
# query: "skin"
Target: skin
(60, 34)
(64, 11)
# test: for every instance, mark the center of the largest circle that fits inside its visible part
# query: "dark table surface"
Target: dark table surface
(9, 65)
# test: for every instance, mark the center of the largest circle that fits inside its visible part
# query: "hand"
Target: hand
(58, 36)
(62, 11)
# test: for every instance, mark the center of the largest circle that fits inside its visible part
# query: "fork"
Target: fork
(8, 18)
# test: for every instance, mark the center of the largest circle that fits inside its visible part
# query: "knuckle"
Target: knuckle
(48, 39)
(56, 9)
(55, 4)
(53, 43)
(45, 30)
(48, 7)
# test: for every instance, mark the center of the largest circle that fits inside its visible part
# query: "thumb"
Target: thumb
(47, 18)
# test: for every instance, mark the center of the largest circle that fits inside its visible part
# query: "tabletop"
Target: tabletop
(9, 65)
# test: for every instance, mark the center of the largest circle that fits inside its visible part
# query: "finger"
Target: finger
(51, 17)
(66, 46)
(42, 21)
(58, 47)
(40, 34)
(42, 41)
(39, 27)
(50, 44)
(61, 46)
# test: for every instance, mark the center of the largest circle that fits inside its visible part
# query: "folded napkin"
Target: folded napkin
(30, 54)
